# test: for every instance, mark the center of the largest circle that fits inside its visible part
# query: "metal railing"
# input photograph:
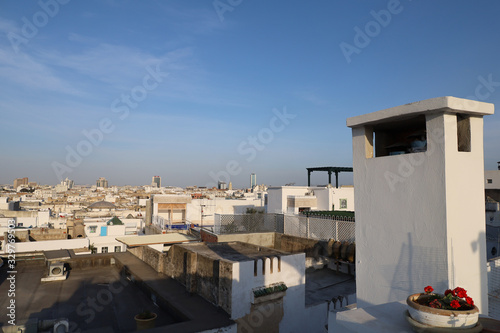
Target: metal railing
(322, 228)
(494, 288)
(162, 223)
(243, 223)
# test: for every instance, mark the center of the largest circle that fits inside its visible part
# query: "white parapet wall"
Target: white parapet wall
(64, 244)
(287, 269)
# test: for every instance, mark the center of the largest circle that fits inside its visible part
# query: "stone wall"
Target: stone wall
(212, 279)
(42, 234)
(294, 244)
(275, 240)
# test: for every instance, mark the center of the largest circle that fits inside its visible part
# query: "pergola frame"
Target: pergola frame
(330, 170)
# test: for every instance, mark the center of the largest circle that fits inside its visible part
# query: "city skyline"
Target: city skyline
(209, 91)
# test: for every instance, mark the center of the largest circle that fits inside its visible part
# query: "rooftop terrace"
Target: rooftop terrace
(233, 251)
(99, 297)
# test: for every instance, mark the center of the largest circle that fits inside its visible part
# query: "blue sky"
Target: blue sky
(192, 90)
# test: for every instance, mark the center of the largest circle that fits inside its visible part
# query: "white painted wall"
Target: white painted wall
(26, 221)
(66, 244)
(219, 206)
(106, 241)
(292, 274)
(465, 212)
(315, 318)
(43, 217)
(325, 198)
(343, 193)
(112, 230)
(494, 176)
(415, 225)
(278, 197)
(157, 247)
(4, 204)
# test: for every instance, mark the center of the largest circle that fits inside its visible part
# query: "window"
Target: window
(463, 132)
(491, 218)
(19, 224)
(104, 249)
(490, 181)
(343, 203)
(493, 251)
(405, 136)
(92, 229)
(118, 248)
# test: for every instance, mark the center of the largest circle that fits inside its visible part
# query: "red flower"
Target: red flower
(461, 292)
(435, 304)
(455, 304)
(469, 301)
(428, 289)
(449, 291)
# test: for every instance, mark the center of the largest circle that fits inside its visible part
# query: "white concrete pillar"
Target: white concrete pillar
(420, 215)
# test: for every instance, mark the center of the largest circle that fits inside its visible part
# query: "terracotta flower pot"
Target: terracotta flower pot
(460, 319)
(144, 324)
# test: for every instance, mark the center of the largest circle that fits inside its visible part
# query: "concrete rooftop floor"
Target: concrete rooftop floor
(72, 299)
(324, 284)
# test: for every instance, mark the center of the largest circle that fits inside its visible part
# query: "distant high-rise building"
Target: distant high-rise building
(156, 182)
(253, 180)
(20, 181)
(222, 185)
(230, 186)
(102, 182)
(68, 183)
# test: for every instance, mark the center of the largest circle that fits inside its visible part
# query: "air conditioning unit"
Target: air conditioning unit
(56, 269)
(61, 325)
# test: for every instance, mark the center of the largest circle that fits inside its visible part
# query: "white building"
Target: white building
(102, 235)
(492, 179)
(34, 219)
(4, 203)
(295, 199)
(262, 289)
(64, 186)
(180, 208)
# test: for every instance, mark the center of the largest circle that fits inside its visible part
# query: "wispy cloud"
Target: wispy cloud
(27, 72)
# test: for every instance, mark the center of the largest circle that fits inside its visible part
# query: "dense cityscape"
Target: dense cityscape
(232, 166)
